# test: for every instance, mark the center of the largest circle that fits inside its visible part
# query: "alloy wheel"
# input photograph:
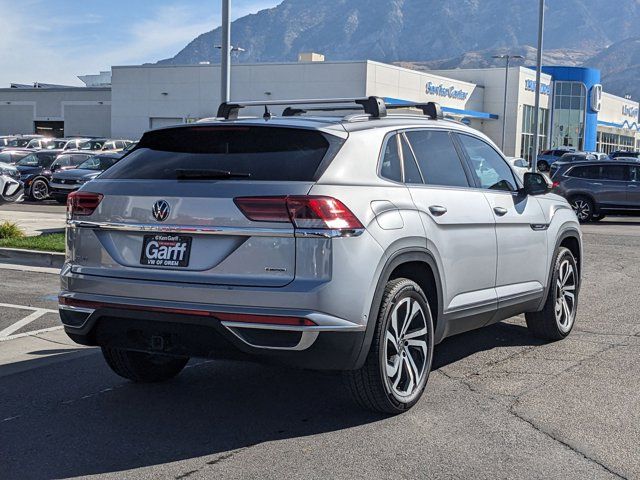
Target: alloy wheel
(39, 190)
(582, 209)
(565, 308)
(406, 349)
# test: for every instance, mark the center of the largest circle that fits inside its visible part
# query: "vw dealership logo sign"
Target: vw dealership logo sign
(161, 210)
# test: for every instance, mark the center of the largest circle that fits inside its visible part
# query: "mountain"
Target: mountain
(620, 67)
(415, 30)
(483, 58)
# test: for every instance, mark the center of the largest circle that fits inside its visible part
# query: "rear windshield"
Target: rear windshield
(254, 153)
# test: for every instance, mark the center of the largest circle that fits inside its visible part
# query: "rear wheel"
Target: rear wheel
(143, 367)
(555, 321)
(583, 207)
(397, 367)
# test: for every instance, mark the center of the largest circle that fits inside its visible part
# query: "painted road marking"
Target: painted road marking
(35, 314)
(31, 334)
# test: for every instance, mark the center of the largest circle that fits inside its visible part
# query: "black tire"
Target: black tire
(39, 190)
(371, 386)
(543, 166)
(545, 324)
(143, 367)
(583, 206)
(598, 217)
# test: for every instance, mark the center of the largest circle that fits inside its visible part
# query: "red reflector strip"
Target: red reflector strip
(225, 317)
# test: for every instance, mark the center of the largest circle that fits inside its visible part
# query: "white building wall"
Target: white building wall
(86, 110)
(493, 80)
(143, 93)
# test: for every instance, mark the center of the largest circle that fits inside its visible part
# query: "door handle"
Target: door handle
(437, 210)
(500, 211)
(633, 186)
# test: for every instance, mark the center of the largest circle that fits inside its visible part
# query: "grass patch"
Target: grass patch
(10, 230)
(54, 242)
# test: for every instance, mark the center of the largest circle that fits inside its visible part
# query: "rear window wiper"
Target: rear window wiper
(183, 174)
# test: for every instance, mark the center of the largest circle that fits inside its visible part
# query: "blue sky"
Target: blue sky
(54, 41)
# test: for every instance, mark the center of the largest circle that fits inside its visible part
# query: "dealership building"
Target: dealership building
(575, 112)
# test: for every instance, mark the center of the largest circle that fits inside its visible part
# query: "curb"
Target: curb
(32, 257)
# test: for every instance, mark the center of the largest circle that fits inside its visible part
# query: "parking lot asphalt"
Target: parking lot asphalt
(499, 404)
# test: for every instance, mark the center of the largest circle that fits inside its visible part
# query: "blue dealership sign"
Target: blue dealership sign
(447, 92)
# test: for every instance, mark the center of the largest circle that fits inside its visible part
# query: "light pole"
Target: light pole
(536, 130)
(507, 59)
(225, 71)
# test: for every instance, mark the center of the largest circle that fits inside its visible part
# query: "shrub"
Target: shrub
(10, 230)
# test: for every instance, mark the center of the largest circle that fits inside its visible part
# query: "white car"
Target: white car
(11, 188)
(519, 165)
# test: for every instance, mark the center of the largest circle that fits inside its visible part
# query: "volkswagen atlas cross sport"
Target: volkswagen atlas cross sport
(350, 243)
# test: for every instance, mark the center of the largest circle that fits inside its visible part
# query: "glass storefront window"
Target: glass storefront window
(610, 142)
(569, 115)
(528, 124)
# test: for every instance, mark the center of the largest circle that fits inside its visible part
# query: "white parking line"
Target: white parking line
(32, 317)
(31, 334)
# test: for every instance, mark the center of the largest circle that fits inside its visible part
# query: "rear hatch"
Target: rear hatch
(168, 210)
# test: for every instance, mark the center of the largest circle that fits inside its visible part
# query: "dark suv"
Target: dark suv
(596, 189)
(624, 154)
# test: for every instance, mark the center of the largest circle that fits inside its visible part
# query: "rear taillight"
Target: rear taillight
(555, 184)
(82, 203)
(308, 212)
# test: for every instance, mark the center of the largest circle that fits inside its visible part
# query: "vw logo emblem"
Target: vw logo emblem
(161, 210)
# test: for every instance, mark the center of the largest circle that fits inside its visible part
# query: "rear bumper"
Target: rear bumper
(323, 343)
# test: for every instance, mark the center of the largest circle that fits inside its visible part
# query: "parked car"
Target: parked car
(43, 144)
(35, 173)
(548, 157)
(104, 144)
(350, 244)
(596, 189)
(67, 181)
(572, 157)
(14, 155)
(73, 143)
(599, 155)
(624, 153)
(519, 165)
(69, 159)
(11, 188)
(20, 141)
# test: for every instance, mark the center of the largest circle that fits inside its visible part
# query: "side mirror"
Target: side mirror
(535, 184)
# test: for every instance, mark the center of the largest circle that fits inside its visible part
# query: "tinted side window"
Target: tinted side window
(635, 174)
(489, 168)
(437, 158)
(592, 172)
(411, 172)
(391, 168)
(614, 172)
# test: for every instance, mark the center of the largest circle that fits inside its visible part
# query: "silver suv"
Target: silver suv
(350, 243)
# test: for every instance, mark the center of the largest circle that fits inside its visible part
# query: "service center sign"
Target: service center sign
(446, 92)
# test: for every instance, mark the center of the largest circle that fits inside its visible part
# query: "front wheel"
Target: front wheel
(39, 189)
(397, 367)
(143, 367)
(557, 318)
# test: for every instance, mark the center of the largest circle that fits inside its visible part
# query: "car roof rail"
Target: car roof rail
(375, 107)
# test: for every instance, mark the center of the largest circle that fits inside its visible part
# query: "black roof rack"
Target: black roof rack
(373, 106)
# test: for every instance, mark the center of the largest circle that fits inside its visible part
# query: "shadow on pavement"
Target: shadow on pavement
(76, 418)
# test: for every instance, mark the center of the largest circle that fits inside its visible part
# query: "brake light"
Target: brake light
(556, 184)
(314, 212)
(82, 203)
